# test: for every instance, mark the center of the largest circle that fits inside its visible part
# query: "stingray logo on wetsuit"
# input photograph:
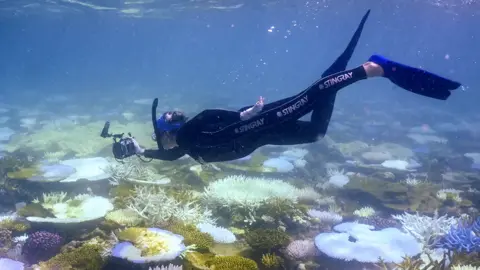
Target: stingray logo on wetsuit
(251, 125)
(293, 107)
(340, 78)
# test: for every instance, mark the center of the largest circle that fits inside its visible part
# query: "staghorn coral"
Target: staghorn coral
(463, 237)
(86, 257)
(41, 246)
(153, 204)
(424, 228)
(266, 239)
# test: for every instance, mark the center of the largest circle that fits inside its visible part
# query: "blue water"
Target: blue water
(93, 54)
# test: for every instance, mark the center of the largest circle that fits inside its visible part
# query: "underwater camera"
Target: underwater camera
(122, 147)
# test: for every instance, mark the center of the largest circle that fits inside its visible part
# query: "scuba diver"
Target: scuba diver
(220, 135)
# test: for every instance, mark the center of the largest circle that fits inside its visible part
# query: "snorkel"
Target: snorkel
(161, 125)
(156, 129)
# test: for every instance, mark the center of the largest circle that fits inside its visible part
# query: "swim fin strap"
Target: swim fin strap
(416, 80)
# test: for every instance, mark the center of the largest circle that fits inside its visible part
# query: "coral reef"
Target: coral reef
(156, 207)
(424, 228)
(232, 262)
(266, 239)
(463, 237)
(41, 246)
(148, 245)
(354, 241)
(301, 249)
(192, 235)
(87, 257)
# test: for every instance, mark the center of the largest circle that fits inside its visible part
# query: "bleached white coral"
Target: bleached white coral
(336, 178)
(52, 198)
(449, 193)
(130, 171)
(424, 228)
(247, 192)
(167, 267)
(81, 208)
(153, 204)
(465, 267)
(308, 194)
(324, 216)
(364, 212)
(412, 181)
(219, 234)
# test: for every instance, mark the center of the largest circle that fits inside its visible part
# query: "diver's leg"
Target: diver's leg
(323, 111)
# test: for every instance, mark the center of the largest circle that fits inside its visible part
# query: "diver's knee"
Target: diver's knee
(372, 69)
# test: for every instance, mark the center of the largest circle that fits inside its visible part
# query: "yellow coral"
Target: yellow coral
(151, 244)
(131, 234)
(86, 257)
(23, 173)
(124, 217)
(13, 225)
(232, 262)
(271, 260)
(192, 235)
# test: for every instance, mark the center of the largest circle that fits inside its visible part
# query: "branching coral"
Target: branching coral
(153, 204)
(424, 228)
(134, 170)
(462, 238)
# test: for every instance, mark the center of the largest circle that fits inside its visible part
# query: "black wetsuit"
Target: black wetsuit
(220, 135)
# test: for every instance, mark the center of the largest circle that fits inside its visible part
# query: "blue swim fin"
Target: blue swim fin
(415, 80)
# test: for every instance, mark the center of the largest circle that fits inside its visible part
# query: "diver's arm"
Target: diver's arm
(169, 155)
(162, 154)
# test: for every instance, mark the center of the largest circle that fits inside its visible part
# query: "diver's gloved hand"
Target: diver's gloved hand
(254, 110)
(138, 150)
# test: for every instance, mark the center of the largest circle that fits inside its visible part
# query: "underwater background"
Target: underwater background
(394, 184)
